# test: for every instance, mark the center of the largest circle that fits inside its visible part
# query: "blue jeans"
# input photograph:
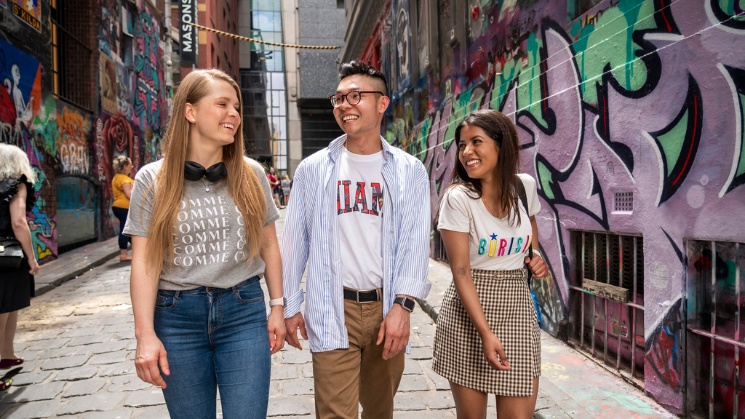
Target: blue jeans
(215, 337)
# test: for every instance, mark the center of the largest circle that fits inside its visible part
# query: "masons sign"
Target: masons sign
(188, 33)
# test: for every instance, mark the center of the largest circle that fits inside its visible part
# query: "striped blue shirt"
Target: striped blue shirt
(311, 239)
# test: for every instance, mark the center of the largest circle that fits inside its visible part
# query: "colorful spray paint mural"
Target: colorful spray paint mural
(110, 29)
(72, 142)
(114, 136)
(24, 122)
(70, 152)
(131, 95)
(148, 100)
(630, 98)
(21, 76)
(74, 191)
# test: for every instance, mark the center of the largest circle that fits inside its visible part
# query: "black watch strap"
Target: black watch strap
(407, 303)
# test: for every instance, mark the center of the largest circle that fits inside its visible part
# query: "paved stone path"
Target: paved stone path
(78, 342)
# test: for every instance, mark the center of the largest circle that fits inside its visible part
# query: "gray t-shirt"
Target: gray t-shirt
(209, 233)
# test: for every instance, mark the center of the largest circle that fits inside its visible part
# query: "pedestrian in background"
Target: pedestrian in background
(363, 269)
(487, 339)
(276, 188)
(17, 178)
(121, 188)
(202, 227)
(286, 189)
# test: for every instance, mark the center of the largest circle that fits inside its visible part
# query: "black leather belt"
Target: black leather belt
(362, 296)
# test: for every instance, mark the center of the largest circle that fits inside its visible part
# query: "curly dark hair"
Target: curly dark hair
(354, 68)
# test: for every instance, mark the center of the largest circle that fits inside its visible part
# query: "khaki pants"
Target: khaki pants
(344, 378)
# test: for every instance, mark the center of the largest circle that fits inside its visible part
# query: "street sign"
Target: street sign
(187, 33)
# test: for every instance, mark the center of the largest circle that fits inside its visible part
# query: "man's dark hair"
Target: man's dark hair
(354, 68)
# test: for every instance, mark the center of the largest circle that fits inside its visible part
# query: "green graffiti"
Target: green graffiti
(741, 164)
(419, 148)
(672, 142)
(728, 6)
(464, 104)
(399, 128)
(607, 41)
(44, 126)
(502, 83)
(529, 83)
(545, 180)
(529, 88)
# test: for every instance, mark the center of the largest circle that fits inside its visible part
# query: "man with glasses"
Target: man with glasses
(360, 221)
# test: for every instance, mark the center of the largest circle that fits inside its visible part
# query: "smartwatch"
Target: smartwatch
(407, 303)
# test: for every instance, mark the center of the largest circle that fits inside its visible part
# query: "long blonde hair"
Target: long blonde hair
(243, 184)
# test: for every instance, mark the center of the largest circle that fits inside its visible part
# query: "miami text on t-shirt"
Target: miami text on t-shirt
(360, 198)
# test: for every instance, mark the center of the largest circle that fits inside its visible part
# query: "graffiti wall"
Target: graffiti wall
(148, 100)
(24, 115)
(131, 95)
(71, 148)
(115, 136)
(610, 97)
(74, 129)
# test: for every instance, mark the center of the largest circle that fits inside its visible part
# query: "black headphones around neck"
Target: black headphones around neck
(194, 171)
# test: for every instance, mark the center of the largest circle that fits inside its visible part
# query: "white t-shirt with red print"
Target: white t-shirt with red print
(359, 206)
(494, 243)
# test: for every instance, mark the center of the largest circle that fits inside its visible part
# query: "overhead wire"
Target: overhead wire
(259, 41)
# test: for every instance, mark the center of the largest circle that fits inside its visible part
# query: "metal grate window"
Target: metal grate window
(624, 202)
(715, 342)
(73, 63)
(606, 302)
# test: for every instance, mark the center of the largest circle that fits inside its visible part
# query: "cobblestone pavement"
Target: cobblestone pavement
(78, 342)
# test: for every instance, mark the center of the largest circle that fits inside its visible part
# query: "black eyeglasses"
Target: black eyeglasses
(352, 97)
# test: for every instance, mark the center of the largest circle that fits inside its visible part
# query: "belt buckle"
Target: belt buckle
(366, 291)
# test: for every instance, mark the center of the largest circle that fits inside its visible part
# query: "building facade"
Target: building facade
(84, 82)
(262, 82)
(630, 116)
(312, 74)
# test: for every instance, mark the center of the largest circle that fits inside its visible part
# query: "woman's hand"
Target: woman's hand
(494, 352)
(150, 360)
(537, 265)
(275, 324)
(34, 266)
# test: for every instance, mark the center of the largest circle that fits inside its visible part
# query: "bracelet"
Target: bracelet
(537, 253)
(277, 302)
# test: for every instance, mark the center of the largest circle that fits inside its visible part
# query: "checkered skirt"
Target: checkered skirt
(509, 310)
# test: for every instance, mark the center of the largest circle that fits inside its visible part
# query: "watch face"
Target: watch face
(406, 303)
(409, 304)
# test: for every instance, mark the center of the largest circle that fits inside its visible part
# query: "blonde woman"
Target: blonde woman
(16, 286)
(202, 228)
(121, 187)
